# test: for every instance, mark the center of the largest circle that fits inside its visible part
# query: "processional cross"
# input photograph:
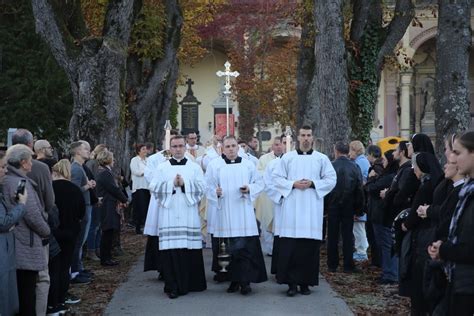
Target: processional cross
(227, 73)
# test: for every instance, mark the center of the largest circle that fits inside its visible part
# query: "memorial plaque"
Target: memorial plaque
(189, 111)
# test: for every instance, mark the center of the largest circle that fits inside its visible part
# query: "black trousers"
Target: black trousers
(26, 281)
(340, 224)
(54, 266)
(140, 200)
(106, 245)
(374, 244)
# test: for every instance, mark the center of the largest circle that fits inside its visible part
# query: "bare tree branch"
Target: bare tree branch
(403, 15)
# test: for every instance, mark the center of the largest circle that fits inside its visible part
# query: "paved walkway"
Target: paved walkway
(142, 294)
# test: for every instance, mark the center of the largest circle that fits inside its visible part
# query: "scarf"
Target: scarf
(466, 191)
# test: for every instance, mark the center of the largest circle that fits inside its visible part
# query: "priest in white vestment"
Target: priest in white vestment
(233, 185)
(152, 256)
(178, 185)
(264, 205)
(192, 147)
(303, 177)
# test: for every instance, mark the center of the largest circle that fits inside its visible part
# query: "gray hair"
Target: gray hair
(18, 153)
(22, 136)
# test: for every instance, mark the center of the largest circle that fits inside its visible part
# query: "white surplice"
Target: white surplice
(151, 222)
(179, 225)
(234, 214)
(263, 205)
(273, 195)
(302, 210)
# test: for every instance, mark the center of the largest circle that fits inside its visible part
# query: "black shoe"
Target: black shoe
(80, 279)
(57, 310)
(160, 276)
(304, 290)
(233, 287)
(109, 263)
(71, 299)
(245, 289)
(173, 294)
(292, 290)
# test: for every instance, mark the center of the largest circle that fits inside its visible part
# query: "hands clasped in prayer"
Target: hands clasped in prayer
(178, 181)
(302, 184)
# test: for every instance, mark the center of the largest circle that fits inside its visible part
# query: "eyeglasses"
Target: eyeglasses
(177, 146)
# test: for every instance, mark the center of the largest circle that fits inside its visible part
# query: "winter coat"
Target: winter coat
(375, 204)
(8, 287)
(462, 253)
(347, 197)
(401, 193)
(111, 193)
(32, 228)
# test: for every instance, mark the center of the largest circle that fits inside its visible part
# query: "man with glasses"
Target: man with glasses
(178, 185)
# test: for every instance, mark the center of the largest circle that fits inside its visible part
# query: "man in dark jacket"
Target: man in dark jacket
(342, 202)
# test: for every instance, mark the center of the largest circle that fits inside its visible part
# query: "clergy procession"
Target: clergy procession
(282, 200)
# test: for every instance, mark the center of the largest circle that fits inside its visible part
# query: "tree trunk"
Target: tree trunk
(327, 97)
(453, 46)
(108, 109)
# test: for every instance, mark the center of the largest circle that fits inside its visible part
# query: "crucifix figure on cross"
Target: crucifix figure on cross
(227, 73)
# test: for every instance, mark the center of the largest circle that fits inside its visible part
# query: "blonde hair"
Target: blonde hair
(105, 157)
(97, 150)
(63, 168)
(357, 147)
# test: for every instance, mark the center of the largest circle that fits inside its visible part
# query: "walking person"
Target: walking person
(303, 177)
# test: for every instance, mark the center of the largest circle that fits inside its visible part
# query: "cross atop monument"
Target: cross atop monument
(227, 73)
(189, 82)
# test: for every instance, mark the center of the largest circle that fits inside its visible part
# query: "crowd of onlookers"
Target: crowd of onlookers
(50, 211)
(419, 219)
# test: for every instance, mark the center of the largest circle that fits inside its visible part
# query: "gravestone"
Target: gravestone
(189, 111)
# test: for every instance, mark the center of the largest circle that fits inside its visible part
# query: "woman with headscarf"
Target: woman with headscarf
(420, 143)
(429, 172)
(456, 251)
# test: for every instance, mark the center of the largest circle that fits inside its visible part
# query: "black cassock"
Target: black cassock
(152, 255)
(298, 261)
(247, 264)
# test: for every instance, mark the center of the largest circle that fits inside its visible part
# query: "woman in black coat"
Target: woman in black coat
(382, 234)
(429, 172)
(456, 252)
(71, 208)
(112, 199)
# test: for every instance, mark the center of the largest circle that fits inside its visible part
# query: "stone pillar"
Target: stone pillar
(405, 83)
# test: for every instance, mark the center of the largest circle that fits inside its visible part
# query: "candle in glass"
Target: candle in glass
(288, 139)
(167, 135)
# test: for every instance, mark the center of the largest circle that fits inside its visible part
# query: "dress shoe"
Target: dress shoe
(233, 287)
(304, 290)
(245, 289)
(173, 294)
(292, 290)
(109, 263)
